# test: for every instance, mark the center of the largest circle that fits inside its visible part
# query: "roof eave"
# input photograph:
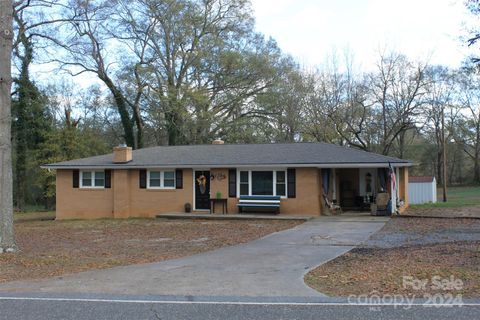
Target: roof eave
(206, 166)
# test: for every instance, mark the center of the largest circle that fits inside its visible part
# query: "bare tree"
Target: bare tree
(351, 113)
(341, 113)
(439, 98)
(397, 90)
(7, 239)
(468, 128)
(87, 45)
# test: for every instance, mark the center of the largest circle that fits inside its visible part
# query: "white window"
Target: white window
(161, 179)
(281, 186)
(244, 185)
(92, 179)
(169, 179)
(262, 183)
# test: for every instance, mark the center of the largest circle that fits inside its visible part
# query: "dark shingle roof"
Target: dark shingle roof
(231, 155)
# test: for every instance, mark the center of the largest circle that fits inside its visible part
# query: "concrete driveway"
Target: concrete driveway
(270, 266)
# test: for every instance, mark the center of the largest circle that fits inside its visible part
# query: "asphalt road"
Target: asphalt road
(51, 308)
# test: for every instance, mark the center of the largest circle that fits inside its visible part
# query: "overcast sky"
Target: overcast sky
(311, 30)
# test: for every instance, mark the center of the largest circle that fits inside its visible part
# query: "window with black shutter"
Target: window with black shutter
(108, 179)
(179, 179)
(76, 178)
(143, 179)
(291, 191)
(232, 183)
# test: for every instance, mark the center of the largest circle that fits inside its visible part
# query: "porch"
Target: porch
(353, 188)
(356, 189)
(232, 216)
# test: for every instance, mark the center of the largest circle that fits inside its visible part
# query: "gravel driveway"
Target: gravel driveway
(421, 231)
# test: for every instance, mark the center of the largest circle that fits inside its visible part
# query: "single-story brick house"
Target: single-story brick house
(151, 181)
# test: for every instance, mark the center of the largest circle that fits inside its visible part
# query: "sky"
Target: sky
(313, 30)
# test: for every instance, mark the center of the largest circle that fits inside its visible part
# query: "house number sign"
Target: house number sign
(218, 176)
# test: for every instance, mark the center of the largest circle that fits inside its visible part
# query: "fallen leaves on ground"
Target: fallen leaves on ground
(53, 248)
(456, 212)
(367, 270)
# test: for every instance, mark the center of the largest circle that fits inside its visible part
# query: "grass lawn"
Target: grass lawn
(413, 247)
(456, 197)
(31, 216)
(462, 202)
(52, 248)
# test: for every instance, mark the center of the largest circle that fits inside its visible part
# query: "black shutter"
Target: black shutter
(76, 178)
(143, 179)
(232, 183)
(108, 179)
(291, 192)
(179, 179)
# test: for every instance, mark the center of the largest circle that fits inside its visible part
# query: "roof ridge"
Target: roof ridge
(361, 150)
(236, 144)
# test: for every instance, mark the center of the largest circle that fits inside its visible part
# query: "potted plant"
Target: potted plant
(218, 195)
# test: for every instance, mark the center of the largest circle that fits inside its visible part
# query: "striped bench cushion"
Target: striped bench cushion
(259, 205)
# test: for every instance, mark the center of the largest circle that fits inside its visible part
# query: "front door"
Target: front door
(202, 190)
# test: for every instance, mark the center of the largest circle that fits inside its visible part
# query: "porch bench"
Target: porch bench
(263, 203)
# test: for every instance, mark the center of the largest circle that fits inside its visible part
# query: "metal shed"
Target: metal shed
(422, 190)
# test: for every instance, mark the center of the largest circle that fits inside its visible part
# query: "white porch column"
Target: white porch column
(398, 177)
(393, 195)
(334, 189)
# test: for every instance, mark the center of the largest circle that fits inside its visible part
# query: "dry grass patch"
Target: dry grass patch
(52, 248)
(457, 212)
(420, 248)
(364, 270)
(462, 202)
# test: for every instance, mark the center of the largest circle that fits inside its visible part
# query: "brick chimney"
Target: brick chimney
(122, 154)
(218, 141)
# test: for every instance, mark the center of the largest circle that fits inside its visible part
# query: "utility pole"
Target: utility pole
(444, 179)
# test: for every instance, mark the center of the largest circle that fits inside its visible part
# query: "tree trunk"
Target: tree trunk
(172, 128)
(476, 170)
(451, 170)
(139, 124)
(121, 104)
(26, 96)
(7, 239)
(136, 108)
(401, 145)
(476, 174)
(173, 117)
(439, 166)
(20, 146)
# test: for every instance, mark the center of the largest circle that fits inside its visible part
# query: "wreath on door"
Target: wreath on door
(202, 183)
